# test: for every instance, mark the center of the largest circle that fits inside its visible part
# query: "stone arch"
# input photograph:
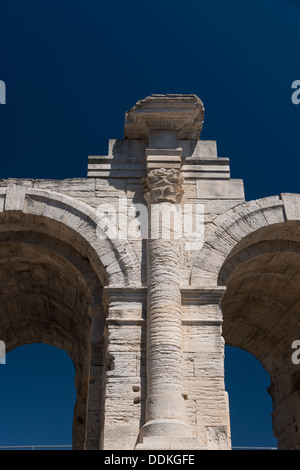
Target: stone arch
(256, 237)
(53, 268)
(232, 226)
(254, 250)
(114, 260)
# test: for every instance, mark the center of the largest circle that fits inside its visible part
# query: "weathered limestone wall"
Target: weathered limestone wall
(206, 399)
(126, 367)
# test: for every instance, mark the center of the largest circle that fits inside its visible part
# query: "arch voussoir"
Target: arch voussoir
(232, 226)
(119, 262)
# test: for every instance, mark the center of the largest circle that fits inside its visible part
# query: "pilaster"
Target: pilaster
(125, 364)
(207, 407)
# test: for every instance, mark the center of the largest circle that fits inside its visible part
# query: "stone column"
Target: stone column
(165, 407)
(163, 121)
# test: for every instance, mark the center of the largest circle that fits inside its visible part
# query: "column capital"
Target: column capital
(163, 185)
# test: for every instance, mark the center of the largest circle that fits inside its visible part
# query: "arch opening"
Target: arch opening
(261, 312)
(250, 409)
(38, 397)
(51, 294)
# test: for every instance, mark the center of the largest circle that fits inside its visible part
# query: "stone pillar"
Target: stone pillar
(163, 121)
(285, 392)
(286, 419)
(125, 368)
(207, 405)
(96, 385)
(165, 407)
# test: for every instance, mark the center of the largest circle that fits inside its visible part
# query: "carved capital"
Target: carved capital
(163, 185)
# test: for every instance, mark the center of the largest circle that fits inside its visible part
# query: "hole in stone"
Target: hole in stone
(296, 382)
(110, 362)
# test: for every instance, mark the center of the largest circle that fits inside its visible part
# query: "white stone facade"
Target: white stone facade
(142, 271)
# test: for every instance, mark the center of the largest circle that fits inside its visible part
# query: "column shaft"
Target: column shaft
(165, 378)
(165, 403)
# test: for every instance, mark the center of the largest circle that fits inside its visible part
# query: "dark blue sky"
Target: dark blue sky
(73, 68)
